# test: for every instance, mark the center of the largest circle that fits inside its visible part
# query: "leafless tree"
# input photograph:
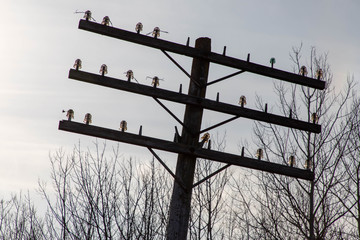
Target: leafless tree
(285, 208)
(349, 194)
(19, 219)
(207, 220)
(97, 197)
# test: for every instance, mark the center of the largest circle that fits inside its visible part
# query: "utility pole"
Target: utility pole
(185, 168)
(187, 145)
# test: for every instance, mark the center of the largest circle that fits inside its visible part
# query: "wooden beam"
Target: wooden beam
(180, 204)
(196, 53)
(186, 99)
(169, 146)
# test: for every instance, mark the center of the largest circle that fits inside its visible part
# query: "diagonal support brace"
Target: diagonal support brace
(226, 77)
(172, 114)
(166, 167)
(180, 67)
(211, 175)
(219, 124)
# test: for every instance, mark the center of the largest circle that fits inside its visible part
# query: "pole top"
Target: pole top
(203, 43)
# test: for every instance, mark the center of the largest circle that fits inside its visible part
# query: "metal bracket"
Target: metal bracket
(177, 137)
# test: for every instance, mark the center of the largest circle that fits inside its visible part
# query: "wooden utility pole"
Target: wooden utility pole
(187, 145)
(181, 197)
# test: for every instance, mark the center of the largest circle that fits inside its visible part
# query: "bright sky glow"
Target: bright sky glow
(40, 42)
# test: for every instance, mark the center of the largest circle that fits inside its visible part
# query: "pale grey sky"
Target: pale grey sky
(40, 42)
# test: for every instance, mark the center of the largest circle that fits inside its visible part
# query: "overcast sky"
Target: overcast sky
(40, 42)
